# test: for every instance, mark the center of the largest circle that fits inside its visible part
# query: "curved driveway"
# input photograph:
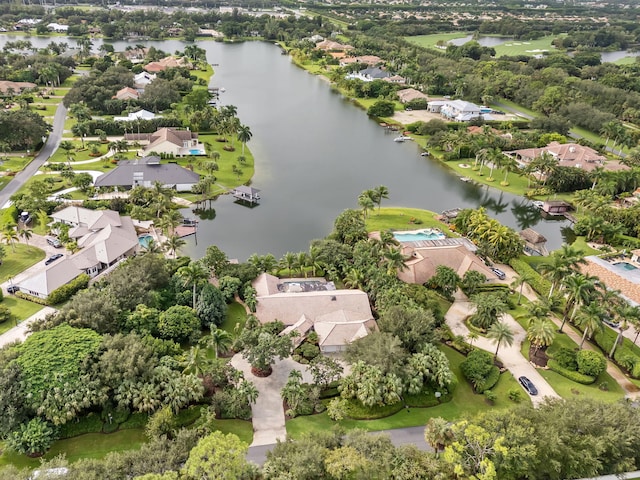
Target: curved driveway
(510, 356)
(47, 150)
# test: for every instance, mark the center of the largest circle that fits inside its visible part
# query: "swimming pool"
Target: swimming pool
(417, 235)
(625, 266)
(195, 151)
(144, 240)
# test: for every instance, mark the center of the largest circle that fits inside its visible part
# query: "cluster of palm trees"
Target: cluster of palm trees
(370, 198)
(302, 262)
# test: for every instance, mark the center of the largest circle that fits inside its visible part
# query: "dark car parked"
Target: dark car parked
(53, 258)
(499, 273)
(528, 386)
(13, 289)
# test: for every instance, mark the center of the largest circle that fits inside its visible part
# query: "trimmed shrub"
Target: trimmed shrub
(538, 283)
(490, 381)
(135, 420)
(566, 358)
(591, 363)
(65, 292)
(571, 375)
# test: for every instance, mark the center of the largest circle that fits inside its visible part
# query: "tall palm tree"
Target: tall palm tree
(366, 203)
(520, 281)
(192, 275)
(380, 192)
(288, 261)
(438, 433)
(354, 279)
(302, 261)
(26, 234)
(9, 236)
(501, 335)
(314, 259)
(395, 261)
(244, 135)
(220, 340)
(580, 289)
(173, 244)
(195, 361)
(590, 320)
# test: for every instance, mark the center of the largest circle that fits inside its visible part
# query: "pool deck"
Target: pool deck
(615, 278)
(444, 242)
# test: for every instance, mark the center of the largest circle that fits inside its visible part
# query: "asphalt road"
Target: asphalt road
(47, 150)
(399, 436)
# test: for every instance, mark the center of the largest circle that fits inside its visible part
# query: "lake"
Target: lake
(315, 153)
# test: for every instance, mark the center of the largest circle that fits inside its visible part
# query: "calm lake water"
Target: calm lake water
(315, 153)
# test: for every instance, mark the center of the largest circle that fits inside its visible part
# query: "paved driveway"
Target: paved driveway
(511, 357)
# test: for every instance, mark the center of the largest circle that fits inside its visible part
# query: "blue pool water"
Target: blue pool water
(417, 236)
(625, 266)
(194, 151)
(144, 240)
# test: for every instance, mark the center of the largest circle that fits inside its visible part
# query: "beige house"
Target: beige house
(337, 316)
(567, 155)
(407, 95)
(167, 62)
(7, 87)
(370, 60)
(424, 257)
(104, 238)
(169, 141)
(327, 45)
(127, 93)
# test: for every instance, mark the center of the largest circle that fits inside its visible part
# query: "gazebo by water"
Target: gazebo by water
(246, 194)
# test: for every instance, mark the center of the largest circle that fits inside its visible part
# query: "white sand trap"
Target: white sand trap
(517, 44)
(508, 45)
(526, 43)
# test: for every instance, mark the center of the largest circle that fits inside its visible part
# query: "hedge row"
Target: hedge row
(31, 298)
(625, 356)
(578, 377)
(65, 292)
(489, 381)
(537, 282)
(143, 126)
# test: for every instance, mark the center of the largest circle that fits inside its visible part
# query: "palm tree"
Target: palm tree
(354, 279)
(314, 261)
(395, 260)
(541, 333)
(195, 361)
(288, 261)
(26, 234)
(67, 146)
(580, 289)
(244, 135)
(438, 433)
(380, 192)
(590, 320)
(192, 275)
(9, 236)
(366, 203)
(301, 261)
(472, 336)
(220, 340)
(501, 334)
(519, 282)
(173, 244)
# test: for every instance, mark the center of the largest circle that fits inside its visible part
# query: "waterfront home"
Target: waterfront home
(145, 172)
(567, 155)
(534, 242)
(57, 27)
(170, 141)
(337, 316)
(556, 207)
(104, 238)
(459, 110)
(167, 62)
(369, 74)
(370, 60)
(327, 45)
(142, 79)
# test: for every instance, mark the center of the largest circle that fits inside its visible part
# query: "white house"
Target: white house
(139, 115)
(104, 238)
(369, 74)
(58, 28)
(170, 141)
(142, 79)
(460, 111)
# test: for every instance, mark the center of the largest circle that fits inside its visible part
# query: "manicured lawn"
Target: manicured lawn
(48, 111)
(236, 315)
(531, 47)
(241, 428)
(518, 184)
(78, 154)
(581, 244)
(430, 41)
(20, 310)
(464, 403)
(14, 163)
(394, 218)
(204, 74)
(519, 108)
(16, 261)
(91, 445)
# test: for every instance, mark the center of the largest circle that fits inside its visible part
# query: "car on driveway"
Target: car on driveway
(528, 385)
(499, 273)
(611, 323)
(13, 289)
(53, 258)
(54, 242)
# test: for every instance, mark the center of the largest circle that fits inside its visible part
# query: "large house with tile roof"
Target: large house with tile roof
(104, 238)
(170, 141)
(337, 316)
(127, 93)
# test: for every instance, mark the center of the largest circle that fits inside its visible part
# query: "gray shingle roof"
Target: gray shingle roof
(165, 173)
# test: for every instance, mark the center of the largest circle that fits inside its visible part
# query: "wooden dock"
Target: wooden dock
(246, 194)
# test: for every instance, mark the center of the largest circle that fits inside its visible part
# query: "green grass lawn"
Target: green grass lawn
(90, 445)
(519, 108)
(430, 41)
(394, 218)
(225, 176)
(20, 310)
(48, 111)
(236, 315)
(581, 244)
(19, 260)
(14, 163)
(464, 403)
(517, 184)
(241, 428)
